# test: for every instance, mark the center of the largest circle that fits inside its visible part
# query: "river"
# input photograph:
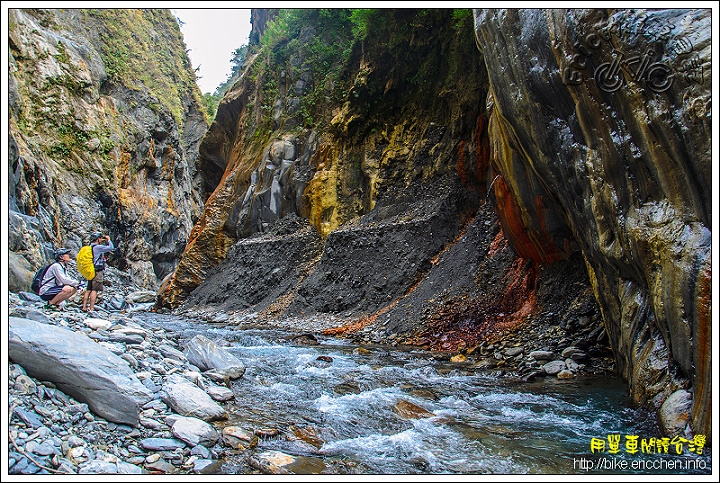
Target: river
(383, 410)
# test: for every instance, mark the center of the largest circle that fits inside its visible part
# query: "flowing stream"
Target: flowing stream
(384, 410)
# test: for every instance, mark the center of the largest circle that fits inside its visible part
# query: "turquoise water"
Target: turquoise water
(463, 421)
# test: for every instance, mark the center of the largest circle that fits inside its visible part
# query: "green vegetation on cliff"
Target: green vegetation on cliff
(140, 49)
(328, 49)
(130, 50)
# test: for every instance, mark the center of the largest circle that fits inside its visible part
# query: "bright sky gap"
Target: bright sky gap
(212, 35)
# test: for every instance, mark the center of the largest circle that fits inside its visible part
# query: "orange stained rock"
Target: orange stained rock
(123, 170)
(207, 243)
(362, 321)
(467, 323)
(407, 410)
(702, 353)
(353, 326)
(308, 434)
(461, 169)
(498, 243)
(527, 242)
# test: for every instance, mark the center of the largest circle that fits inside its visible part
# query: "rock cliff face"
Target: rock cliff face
(103, 134)
(600, 121)
(433, 177)
(572, 142)
(371, 144)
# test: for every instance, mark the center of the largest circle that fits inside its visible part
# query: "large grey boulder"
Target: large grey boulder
(195, 431)
(186, 399)
(207, 355)
(674, 414)
(78, 366)
(20, 272)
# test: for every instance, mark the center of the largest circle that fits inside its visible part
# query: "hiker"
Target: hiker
(100, 246)
(57, 286)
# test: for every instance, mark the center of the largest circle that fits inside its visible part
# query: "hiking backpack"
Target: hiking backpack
(37, 279)
(85, 262)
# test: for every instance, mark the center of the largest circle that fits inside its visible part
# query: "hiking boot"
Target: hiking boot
(52, 307)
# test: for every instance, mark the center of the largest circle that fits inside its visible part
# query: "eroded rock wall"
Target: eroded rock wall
(600, 123)
(376, 150)
(104, 128)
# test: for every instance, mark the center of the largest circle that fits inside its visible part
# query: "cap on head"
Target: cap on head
(95, 235)
(60, 252)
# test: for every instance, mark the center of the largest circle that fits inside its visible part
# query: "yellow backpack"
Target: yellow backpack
(85, 262)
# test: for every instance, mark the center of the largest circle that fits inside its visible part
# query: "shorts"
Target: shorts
(52, 292)
(96, 284)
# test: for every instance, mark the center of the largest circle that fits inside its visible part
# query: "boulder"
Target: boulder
(78, 366)
(189, 400)
(674, 414)
(195, 431)
(206, 355)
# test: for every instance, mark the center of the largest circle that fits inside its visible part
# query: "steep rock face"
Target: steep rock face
(103, 133)
(375, 149)
(443, 208)
(600, 123)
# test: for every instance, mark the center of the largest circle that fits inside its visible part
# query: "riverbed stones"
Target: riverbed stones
(674, 414)
(272, 462)
(408, 410)
(542, 355)
(189, 400)
(554, 367)
(279, 463)
(25, 385)
(141, 296)
(97, 323)
(458, 358)
(63, 435)
(109, 466)
(239, 438)
(219, 393)
(514, 351)
(171, 352)
(161, 444)
(574, 353)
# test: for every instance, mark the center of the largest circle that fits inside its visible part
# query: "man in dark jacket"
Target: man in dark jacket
(100, 246)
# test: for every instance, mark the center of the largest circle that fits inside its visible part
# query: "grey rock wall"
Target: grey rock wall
(605, 113)
(92, 150)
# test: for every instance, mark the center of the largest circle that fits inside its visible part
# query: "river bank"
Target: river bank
(51, 433)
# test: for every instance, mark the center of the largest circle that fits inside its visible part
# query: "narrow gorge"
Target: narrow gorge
(436, 178)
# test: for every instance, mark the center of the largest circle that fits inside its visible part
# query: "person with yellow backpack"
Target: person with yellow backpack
(100, 245)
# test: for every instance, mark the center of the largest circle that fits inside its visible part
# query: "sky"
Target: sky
(212, 35)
